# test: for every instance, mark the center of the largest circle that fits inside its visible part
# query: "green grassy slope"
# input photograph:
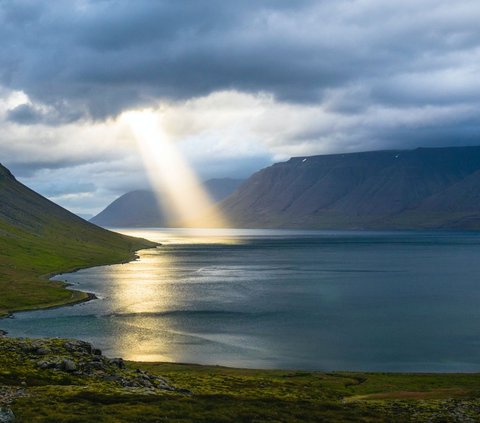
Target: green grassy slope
(38, 237)
(219, 394)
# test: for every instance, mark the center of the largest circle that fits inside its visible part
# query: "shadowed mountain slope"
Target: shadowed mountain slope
(141, 208)
(38, 237)
(135, 208)
(422, 188)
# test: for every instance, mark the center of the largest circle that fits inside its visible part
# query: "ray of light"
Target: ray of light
(179, 192)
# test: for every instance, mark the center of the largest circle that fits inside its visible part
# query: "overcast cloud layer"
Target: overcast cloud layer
(238, 84)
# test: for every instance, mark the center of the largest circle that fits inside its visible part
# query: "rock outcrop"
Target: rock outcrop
(49, 359)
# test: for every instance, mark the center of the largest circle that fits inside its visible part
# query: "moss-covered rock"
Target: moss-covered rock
(28, 362)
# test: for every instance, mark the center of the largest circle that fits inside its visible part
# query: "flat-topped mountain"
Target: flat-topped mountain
(422, 188)
(38, 237)
(142, 208)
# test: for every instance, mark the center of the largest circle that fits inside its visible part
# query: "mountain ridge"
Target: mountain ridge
(387, 189)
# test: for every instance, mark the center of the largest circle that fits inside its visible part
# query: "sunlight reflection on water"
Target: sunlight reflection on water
(296, 299)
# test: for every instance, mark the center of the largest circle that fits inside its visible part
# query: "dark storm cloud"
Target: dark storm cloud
(103, 57)
(97, 58)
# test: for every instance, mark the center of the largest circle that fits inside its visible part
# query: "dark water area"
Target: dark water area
(378, 301)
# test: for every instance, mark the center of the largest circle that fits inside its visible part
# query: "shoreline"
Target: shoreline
(220, 367)
(89, 296)
(82, 296)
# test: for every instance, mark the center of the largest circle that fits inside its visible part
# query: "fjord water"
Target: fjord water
(398, 301)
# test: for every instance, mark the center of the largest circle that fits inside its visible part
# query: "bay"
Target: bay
(318, 300)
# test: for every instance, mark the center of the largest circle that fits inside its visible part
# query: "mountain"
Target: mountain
(135, 208)
(401, 189)
(141, 208)
(221, 188)
(38, 237)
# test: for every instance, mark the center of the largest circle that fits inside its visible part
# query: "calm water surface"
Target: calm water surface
(287, 299)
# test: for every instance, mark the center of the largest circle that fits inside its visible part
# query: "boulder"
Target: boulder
(118, 362)
(6, 415)
(68, 365)
(42, 351)
(79, 346)
(47, 364)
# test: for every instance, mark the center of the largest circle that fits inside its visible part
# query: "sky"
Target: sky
(236, 85)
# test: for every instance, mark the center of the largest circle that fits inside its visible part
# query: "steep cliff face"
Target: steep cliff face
(420, 188)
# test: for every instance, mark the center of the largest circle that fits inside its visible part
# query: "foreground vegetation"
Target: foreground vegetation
(69, 381)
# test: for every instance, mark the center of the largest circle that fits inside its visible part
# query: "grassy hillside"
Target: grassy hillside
(37, 237)
(68, 381)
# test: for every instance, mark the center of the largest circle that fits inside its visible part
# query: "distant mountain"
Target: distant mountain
(133, 209)
(422, 188)
(85, 216)
(141, 208)
(38, 237)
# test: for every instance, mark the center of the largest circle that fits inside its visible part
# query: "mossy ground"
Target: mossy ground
(220, 394)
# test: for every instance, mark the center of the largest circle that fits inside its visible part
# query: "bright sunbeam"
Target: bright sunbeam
(179, 192)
